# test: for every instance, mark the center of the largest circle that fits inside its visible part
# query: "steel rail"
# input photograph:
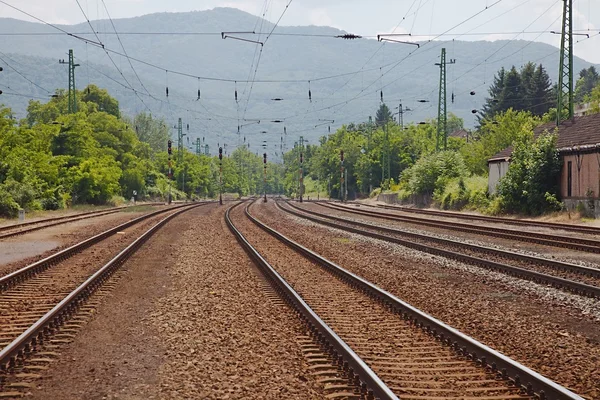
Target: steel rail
(19, 348)
(30, 270)
(529, 381)
(587, 245)
(74, 217)
(353, 363)
(509, 221)
(578, 288)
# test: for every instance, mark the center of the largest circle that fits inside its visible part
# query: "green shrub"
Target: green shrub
(461, 193)
(432, 172)
(116, 201)
(530, 185)
(8, 206)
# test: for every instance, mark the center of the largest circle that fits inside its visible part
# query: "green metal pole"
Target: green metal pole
(565, 89)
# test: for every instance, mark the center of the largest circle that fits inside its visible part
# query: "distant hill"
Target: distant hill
(300, 58)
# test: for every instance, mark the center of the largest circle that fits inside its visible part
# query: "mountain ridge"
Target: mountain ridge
(298, 58)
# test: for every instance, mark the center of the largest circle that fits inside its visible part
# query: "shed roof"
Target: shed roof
(579, 132)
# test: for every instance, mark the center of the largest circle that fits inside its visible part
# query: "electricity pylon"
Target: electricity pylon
(72, 106)
(442, 128)
(565, 75)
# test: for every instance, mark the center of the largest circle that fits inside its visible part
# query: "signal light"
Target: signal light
(169, 149)
(220, 153)
(342, 155)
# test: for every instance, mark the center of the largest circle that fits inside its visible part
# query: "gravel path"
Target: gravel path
(189, 319)
(543, 334)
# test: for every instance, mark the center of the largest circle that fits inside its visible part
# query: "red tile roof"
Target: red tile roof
(580, 132)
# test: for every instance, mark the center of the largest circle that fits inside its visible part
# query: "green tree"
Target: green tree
(588, 79)
(492, 103)
(530, 185)
(152, 131)
(496, 135)
(383, 116)
(541, 96)
(512, 93)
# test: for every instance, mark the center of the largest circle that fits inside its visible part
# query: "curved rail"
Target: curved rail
(528, 380)
(34, 335)
(587, 245)
(538, 277)
(358, 366)
(30, 270)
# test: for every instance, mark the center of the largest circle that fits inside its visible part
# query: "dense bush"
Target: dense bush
(530, 185)
(8, 206)
(460, 193)
(431, 173)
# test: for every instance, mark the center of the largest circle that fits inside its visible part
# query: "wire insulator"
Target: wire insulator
(188, 127)
(381, 95)
(474, 111)
(473, 93)
(236, 95)
(198, 95)
(452, 97)
(167, 91)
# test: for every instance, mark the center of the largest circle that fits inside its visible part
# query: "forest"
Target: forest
(53, 159)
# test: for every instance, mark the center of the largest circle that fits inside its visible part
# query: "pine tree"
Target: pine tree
(383, 115)
(512, 93)
(543, 96)
(528, 86)
(491, 106)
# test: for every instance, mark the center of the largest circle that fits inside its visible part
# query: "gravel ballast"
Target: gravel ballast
(542, 333)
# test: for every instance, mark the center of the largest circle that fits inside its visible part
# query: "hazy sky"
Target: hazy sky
(365, 17)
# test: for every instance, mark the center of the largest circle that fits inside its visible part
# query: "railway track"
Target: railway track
(37, 301)
(7, 231)
(575, 243)
(377, 345)
(574, 278)
(509, 221)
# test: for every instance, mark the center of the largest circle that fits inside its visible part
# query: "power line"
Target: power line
(111, 59)
(20, 74)
(123, 47)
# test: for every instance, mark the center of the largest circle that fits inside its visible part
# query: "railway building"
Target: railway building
(579, 148)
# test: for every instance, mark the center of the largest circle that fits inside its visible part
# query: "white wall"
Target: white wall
(497, 170)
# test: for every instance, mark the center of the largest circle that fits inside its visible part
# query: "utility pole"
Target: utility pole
(386, 170)
(198, 151)
(369, 154)
(442, 128)
(301, 180)
(180, 136)
(401, 116)
(72, 107)
(342, 176)
(565, 75)
(220, 175)
(170, 151)
(265, 175)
